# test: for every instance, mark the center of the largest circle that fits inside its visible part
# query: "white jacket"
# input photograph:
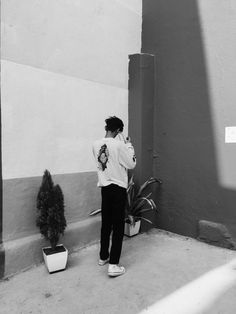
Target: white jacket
(113, 157)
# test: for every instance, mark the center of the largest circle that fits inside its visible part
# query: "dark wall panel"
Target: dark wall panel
(141, 104)
(184, 142)
(2, 252)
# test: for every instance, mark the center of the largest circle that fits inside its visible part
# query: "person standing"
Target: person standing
(113, 157)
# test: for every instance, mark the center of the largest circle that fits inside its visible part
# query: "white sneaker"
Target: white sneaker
(115, 270)
(102, 262)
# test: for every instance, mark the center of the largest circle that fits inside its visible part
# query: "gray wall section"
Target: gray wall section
(141, 117)
(20, 233)
(2, 261)
(2, 252)
(0, 174)
(183, 126)
(19, 201)
(141, 104)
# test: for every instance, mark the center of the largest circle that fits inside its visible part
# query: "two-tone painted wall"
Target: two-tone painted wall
(64, 69)
(194, 43)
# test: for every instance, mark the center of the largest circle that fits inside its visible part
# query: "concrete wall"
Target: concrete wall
(141, 110)
(64, 69)
(62, 61)
(194, 46)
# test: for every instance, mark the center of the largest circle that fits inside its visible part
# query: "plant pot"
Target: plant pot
(132, 230)
(55, 260)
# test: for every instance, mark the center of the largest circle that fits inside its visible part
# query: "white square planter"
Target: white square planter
(55, 261)
(131, 230)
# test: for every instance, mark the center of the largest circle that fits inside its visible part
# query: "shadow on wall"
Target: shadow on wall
(184, 141)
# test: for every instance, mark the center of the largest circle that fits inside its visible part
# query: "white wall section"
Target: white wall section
(51, 120)
(64, 70)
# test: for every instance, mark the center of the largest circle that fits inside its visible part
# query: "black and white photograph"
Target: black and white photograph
(118, 157)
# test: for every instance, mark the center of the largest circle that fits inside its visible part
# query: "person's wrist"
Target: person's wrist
(128, 139)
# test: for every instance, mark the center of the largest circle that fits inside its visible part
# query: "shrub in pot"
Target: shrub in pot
(51, 222)
(137, 204)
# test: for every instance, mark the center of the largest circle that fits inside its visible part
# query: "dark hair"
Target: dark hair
(113, 124)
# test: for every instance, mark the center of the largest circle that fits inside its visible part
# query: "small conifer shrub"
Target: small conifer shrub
(50, 209)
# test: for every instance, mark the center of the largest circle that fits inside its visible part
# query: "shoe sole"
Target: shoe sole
(116, 274)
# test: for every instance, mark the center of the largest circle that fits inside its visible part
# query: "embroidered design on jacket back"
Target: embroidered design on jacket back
(103, 157)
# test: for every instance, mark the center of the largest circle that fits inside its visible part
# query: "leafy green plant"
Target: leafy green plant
(137, 202)
(50, 205)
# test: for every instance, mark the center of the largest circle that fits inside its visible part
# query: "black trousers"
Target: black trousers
(113, 215)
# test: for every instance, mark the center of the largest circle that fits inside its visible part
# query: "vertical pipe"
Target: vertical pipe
(141, 112)
(2, 253)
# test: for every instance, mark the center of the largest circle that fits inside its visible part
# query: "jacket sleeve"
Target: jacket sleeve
(94, 153)
(127, 156)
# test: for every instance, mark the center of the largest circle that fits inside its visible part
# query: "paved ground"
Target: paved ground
(158, 263)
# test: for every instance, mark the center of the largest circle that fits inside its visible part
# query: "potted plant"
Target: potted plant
(138, 203)
(51, 222)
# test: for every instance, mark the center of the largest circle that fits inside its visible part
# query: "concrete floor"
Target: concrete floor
(157, 264)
